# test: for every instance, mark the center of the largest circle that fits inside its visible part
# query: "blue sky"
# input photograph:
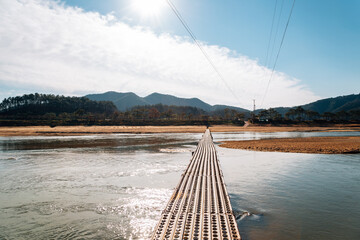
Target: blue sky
(322, 45)
(319, 57)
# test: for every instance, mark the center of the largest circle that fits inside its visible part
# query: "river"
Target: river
(115, 187)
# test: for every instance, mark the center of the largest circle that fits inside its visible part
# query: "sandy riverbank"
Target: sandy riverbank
(88, 130)
(327, 145)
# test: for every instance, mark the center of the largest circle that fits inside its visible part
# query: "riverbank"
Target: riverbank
(90, 130)
(323, 145)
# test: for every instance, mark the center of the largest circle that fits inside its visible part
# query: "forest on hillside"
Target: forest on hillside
(299, 114)
(54, 110)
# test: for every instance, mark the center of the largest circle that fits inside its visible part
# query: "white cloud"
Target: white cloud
(48, 46)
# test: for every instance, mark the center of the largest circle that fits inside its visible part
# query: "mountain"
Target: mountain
(122, 101)
(125, 101)
(165, 99)
(337, 104)
(333, 105)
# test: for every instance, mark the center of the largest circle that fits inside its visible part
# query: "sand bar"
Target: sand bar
(325, 145)
(89, 130)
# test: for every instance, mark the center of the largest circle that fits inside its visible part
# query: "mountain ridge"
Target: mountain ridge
(333, 105)
(121, 101)
(128, 100)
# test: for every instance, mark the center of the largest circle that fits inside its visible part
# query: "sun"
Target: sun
(148, 8)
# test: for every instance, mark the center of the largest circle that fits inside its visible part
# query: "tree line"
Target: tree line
(38, 104)
(299, 114)
(49, 109)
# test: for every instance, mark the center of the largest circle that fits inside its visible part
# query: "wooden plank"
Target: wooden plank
(200, 206)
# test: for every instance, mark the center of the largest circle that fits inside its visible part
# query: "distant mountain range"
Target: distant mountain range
(125, 101)
(333, 105)
(337, 104)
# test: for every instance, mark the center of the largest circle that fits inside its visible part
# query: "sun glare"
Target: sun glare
(148, 8)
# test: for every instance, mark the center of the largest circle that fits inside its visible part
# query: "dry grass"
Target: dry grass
(86, 130)
(328, 145)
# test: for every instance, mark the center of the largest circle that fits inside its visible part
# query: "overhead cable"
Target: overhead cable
(192, 35)
(269, 42)
(271, 32)
(278, 53)
(276, 32)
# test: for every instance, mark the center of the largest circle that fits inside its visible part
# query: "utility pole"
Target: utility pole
(253, 113)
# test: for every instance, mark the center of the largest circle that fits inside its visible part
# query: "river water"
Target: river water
(115, 187)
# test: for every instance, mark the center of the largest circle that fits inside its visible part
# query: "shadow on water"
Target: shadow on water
(78, 142)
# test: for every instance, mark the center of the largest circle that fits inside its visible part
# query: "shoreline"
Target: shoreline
(318, 145)
(92, 130)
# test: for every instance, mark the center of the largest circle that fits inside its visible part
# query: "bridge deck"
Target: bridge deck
(199, 207)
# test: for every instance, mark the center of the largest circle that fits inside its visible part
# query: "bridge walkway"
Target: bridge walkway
(200, 206)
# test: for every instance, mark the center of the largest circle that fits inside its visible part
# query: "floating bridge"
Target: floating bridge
(200, 206)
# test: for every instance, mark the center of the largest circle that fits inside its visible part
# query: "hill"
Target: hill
(333, 105)
(158, 109)
(55, 110)
(122, 101)
(40, 104)
(157, 98)
(126, 101)
(337, 104)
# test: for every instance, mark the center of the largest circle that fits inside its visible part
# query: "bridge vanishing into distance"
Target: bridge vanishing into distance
(200, 206)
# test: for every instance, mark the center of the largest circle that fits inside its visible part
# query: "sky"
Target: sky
(77, 47)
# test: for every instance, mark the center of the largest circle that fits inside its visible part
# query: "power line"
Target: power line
(278, 53)
(271, 31)
(277, 30)
(192, 35)
(269, 42)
